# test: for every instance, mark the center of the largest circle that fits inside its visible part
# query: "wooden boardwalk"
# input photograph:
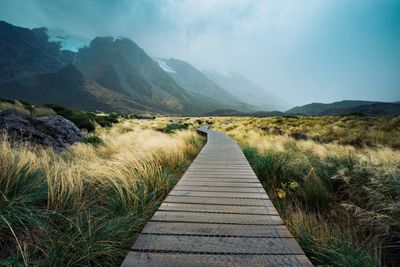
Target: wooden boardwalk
(217, 215)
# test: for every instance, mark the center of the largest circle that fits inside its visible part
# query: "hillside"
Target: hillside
(69, 88)
(122, 66)
(194, 80)
(25, 52)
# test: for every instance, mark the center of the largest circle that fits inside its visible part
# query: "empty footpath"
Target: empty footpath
(218, 214)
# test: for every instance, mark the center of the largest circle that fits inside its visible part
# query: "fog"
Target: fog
(302, 51)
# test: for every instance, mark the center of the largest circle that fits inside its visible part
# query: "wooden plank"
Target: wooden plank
(219, 179)
(219, 184)
(220, 167)
(203, 217)
(221, 174)
(221, 171)
(212, 229)
(217, 245)
(218, 194)
(219, 201)
(219, 189)
(150, 259)
(217, 208)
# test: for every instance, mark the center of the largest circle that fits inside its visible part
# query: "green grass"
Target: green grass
(356, 201)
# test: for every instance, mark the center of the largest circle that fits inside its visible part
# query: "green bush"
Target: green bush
(172, 127)
(81, 119)
(94, 140)
(85, 120)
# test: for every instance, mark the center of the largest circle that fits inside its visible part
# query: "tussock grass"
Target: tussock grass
(338, 189)
(85, 205)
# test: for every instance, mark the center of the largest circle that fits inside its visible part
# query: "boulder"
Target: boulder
(50, 131)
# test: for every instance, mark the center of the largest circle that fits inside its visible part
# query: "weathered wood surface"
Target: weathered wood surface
(217, 215)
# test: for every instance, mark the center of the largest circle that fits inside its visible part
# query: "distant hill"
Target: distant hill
(369, 108)
(347, 107)
(194, 80)
(69, 88)
(224, 112)
(246, 91)
(374, 109)
(318, 108)
(232, 112)
(267, 113)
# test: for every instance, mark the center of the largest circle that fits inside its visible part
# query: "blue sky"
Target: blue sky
(303, 51)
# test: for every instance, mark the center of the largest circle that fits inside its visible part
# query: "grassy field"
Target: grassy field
(85, 205)
(334, 180)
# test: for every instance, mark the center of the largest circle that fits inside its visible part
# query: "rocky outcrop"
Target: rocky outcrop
(50, 131)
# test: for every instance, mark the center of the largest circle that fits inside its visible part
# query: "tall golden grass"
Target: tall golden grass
(84, 206)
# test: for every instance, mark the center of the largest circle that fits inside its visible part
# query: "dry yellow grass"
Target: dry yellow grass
(86, 188)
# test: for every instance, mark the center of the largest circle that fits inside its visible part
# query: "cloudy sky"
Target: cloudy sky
(303, 51)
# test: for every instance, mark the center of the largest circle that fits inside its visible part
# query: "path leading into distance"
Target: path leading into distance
(218, 214)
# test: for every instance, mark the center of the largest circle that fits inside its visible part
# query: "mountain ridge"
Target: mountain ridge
(115, 66)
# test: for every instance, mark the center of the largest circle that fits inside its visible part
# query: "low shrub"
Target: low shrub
(85, 120)
(94, 140)
(173, 127)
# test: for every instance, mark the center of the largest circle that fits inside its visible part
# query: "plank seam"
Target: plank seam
(171, 251)
(227, 223)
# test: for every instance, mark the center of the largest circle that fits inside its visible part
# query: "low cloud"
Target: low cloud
(303, 51)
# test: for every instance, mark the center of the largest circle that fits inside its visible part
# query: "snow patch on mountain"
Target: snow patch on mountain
(67, 41)
(161, 62)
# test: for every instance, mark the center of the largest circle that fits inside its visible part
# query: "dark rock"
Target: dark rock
(229, 121)
(278, 131)
(265, 129)
(144, 117)
(51, 131)
(298, 136)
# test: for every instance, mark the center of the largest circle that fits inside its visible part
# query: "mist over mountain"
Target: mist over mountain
(246, 90)
(195, 81)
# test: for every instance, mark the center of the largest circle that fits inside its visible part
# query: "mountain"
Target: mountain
(245, 90)
(318, 108)
(194, 80)
(68, 87)
(112, 68)
(122, 66)
(374, 109)
(25, 52)
(368, 108)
